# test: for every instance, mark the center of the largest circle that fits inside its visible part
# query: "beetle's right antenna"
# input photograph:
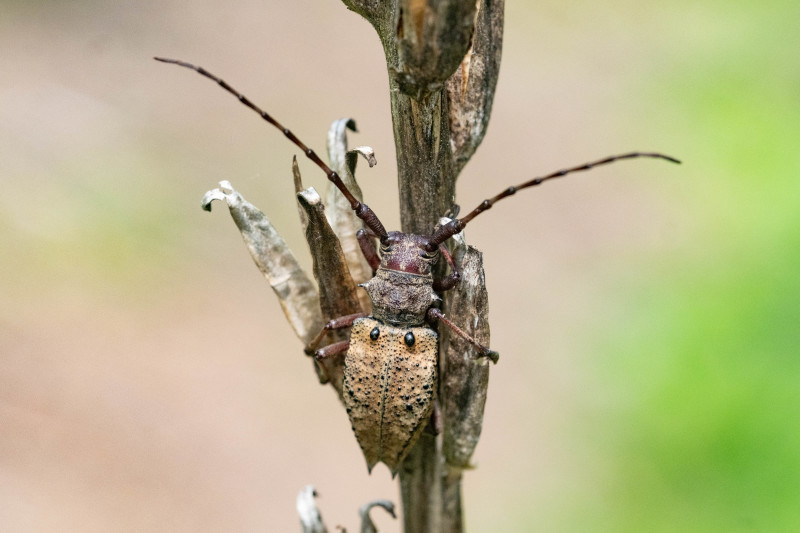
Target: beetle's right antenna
(362, 210)
(455, 226)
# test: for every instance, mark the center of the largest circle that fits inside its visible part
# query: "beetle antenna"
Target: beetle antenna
(362, 211)
(455, 226)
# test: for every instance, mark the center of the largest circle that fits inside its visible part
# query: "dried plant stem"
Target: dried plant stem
(443, 58)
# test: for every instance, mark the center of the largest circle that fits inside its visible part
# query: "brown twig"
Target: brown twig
(443, 59)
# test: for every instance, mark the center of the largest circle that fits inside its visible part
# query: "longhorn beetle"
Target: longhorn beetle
(392, 355)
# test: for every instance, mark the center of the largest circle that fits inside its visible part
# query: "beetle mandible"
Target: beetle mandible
(391, 356)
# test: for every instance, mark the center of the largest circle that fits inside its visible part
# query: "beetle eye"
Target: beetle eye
(409, 339)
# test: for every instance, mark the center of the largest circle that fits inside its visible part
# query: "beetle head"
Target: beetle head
(406, 253)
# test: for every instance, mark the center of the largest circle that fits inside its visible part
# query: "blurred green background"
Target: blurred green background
(647, 315)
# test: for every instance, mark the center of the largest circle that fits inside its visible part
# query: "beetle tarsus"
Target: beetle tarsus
(332, 349)
(492, 355)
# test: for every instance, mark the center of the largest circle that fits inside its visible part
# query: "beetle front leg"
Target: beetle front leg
(449, 281)
(367, 245)
(336, 323)
(434, 314)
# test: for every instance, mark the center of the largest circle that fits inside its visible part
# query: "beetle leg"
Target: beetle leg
(336, 323)
(449, 281)
(368, 248)
(331, 349)
(434, 314)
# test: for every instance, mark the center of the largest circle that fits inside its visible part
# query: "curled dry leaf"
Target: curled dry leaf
(337, 148)
(367, 525)
(364, 151)
(296, 292)
(340, 215)
(310, 517)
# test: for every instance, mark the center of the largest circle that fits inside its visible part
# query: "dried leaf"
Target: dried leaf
(336, 287)
(341, 217)
(367, 525)
(364, 151)
(465, 378)
(296, 292)
(470, 90)
(298, 186)
(310, 518)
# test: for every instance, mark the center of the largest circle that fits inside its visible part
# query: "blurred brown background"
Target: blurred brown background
(148, 381)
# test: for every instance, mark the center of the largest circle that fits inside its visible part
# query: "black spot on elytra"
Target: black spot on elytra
(409, 339)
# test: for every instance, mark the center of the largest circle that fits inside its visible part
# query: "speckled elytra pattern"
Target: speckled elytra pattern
(388, 388)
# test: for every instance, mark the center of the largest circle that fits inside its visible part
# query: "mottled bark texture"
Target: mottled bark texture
(443, 59)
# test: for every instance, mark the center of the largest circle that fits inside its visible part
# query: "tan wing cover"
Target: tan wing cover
(388, 388)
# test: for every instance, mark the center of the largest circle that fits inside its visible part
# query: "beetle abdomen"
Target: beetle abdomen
(389, 377)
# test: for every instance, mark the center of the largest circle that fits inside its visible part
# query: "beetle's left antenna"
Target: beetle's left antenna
(362, 210)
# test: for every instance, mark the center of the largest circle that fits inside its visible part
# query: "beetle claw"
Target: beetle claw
(491, 354)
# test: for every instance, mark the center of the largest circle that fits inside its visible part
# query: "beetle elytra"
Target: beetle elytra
(389, 379)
